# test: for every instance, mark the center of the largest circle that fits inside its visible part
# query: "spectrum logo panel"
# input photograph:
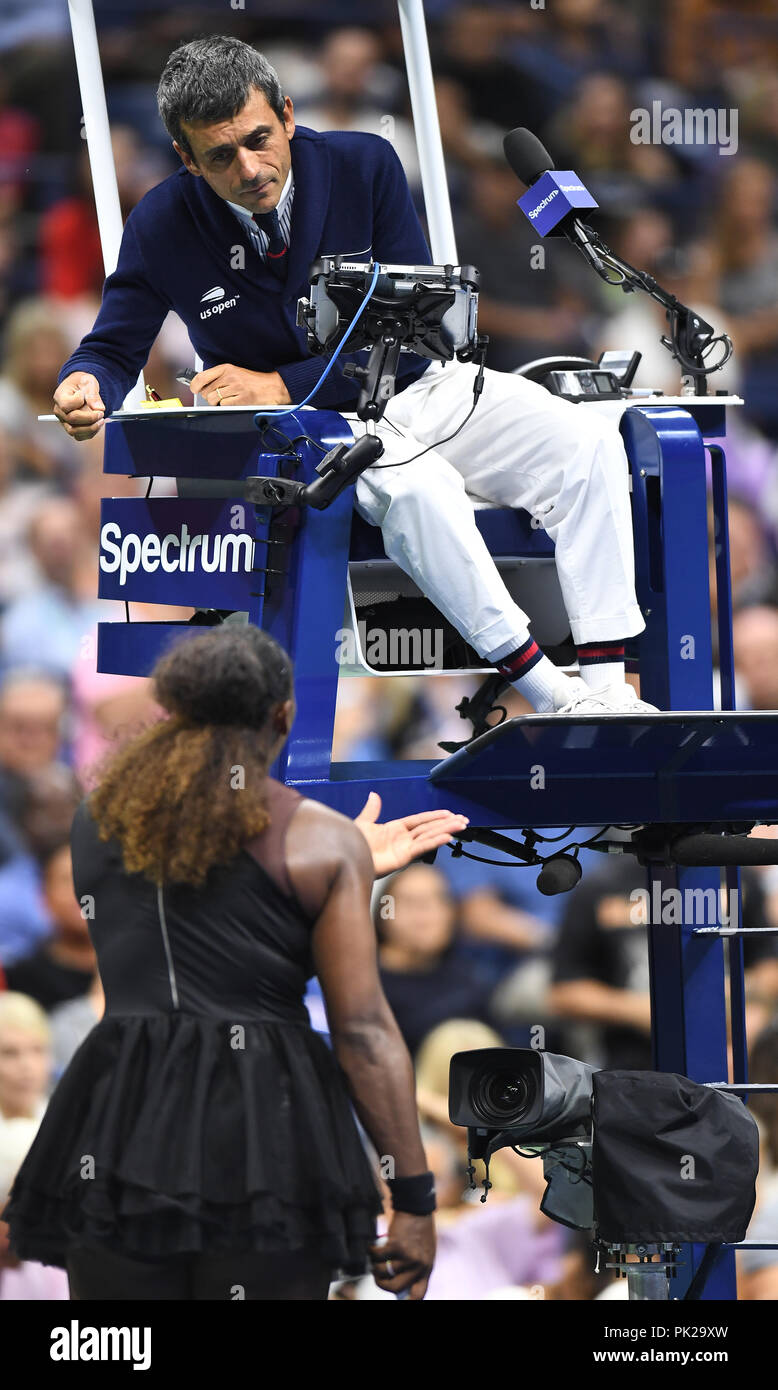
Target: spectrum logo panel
(199, 553)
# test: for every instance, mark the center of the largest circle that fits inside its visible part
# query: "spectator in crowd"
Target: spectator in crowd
(758, 1269)
(32, 718)
(22, 1280)
(63, 967)
(17, 280)
(498, 907)
(397, 717)
(646, 239)
(507, 927)
(48, 625)
(576, 38)
(758, 105)
(423, 972)
(50, 797)
(471, 49)
(25, 1059)
(72, 1021)
(69, 248)
(763, 1069)
(360, 92)
(752, 569)
(38, 60)
(107, 708)
(19, 502)
(71, 255)
(590, 134)
(32, 722)
(753, 574)
(25, 1075)
(28, 733)
(35, 346)
(19, 136)
(752, 470)
(748, 245)
(467, 141)
(600, 959)
(755, 641)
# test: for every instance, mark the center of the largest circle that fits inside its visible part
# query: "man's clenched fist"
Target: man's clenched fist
(77, 405)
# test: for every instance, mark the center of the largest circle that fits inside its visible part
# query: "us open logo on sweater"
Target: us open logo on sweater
(124, 554)
(216, 302)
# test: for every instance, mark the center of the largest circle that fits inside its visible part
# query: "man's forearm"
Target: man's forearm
(486, 918)
(594, 1002)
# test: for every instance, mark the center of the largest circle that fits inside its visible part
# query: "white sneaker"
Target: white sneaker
(619, 698)
(630, 702)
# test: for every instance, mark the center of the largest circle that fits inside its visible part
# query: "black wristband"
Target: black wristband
(415, 1195)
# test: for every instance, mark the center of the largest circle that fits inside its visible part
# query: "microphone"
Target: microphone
(558, 875)
(526, 156)
(555, 196)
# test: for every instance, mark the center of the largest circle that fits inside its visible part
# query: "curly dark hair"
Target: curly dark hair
(188, 792)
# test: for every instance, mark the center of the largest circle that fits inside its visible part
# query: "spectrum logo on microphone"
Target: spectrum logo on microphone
(555, 194)
(537, 211)
(563, 188)
(180, 551)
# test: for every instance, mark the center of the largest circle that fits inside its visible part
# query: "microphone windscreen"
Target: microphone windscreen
(558, 875)
(525, 154)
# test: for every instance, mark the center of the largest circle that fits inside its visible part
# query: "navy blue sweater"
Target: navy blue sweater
(182, 242)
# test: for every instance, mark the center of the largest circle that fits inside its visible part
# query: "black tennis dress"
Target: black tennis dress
(203, 1113)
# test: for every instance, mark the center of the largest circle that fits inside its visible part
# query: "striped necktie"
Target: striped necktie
(270, 224)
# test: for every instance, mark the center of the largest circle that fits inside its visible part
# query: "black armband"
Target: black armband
(415, 1195)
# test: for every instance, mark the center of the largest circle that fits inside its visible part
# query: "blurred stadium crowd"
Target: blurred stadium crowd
(471, 953)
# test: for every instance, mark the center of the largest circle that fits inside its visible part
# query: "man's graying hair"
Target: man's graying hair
(210, 79)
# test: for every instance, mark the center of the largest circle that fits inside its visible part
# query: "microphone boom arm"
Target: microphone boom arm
(690, 338)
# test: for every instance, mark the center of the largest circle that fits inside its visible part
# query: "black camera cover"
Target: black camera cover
(671, 1160)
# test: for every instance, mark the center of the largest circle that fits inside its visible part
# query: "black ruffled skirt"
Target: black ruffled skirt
(177, 1133)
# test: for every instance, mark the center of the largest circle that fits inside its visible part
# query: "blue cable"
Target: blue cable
(289, 409)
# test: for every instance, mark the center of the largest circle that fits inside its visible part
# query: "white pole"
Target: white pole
(427, 127)
(98, 139)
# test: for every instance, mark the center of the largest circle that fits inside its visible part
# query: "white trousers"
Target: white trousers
(522, 447)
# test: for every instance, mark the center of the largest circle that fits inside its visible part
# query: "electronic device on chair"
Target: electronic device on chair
(429, 310)
(579, 379)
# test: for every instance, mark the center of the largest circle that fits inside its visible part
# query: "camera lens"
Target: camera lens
(501, 1097)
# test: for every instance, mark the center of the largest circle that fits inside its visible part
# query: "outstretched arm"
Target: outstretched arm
(395, 843)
